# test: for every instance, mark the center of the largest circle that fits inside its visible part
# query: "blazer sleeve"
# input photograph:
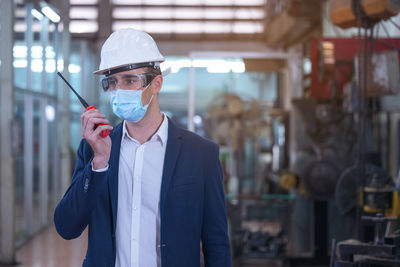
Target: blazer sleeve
(216, 247)
(72, 214)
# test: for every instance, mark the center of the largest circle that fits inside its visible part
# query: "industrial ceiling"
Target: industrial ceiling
(165, 19)
(171, 19)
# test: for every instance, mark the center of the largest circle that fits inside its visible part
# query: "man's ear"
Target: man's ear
(157, 84)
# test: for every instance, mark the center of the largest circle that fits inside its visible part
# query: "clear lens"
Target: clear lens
(127, 81)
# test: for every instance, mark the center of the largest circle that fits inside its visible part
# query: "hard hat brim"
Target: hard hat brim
(125, 67)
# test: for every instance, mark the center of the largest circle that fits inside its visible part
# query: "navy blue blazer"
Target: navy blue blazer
(192, 203)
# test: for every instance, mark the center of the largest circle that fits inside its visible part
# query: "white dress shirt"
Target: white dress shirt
(139, 184)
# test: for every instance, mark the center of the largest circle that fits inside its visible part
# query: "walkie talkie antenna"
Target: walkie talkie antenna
(83, 102)
(104, 133)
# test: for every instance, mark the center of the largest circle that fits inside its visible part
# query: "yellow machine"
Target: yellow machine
(385, 201)
(342, 11)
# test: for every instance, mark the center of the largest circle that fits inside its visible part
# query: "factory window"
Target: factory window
(36, 156)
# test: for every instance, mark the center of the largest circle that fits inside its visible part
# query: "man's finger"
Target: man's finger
(87, 116)
(93, 121)
(101, 128)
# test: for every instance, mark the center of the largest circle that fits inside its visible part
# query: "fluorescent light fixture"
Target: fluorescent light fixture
(158, 27)
(188, 27)
(158, 2)
(20, 26)
(247, 27)
(249, 2)
(126, 2)
(72, 68)
(51, 14)
(83, 2)
(20, 63)
(307, 66)
(83, 12)
(36, 51)
(220, 2)
(117, 25)
(188, 13)
(20, 51)
(36, 14)
(238, 67)
(37, 65)
(212, 65)
(83, 26)
(60, 65)
(197, 120)
(157, 13)
(249, 13)
(50, 65)
(218, 66)
(218, 13)
(217, 27)
(50, 53)
(185, 2)
(20, 12)
(126, 13)
(50, 113)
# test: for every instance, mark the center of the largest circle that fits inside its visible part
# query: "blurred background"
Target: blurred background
(301, 95)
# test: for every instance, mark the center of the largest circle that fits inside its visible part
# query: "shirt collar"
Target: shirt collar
(163, 130)
(161, 134)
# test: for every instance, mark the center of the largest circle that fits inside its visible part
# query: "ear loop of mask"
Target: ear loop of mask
(147, 86)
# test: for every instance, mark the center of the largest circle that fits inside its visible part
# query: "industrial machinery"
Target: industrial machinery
(330, 140)
(252, 139)
(253, 146)
(332, 153)
(383, 251)
(344, 12)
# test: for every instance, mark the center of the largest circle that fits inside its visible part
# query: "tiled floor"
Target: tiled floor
(48, 249)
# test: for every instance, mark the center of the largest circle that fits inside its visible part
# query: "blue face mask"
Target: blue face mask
(127, 104)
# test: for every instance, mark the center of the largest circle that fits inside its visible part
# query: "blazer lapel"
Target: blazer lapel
(171, 155)
(113, 171)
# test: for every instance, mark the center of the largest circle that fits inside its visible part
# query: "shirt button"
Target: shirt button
(134, 208)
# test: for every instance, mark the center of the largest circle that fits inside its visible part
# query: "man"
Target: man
(149, 192)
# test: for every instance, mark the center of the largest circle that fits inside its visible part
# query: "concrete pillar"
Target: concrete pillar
(7, 199)
(104, 21)
(43, 131)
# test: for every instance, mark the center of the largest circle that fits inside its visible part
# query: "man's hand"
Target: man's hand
(101, 146)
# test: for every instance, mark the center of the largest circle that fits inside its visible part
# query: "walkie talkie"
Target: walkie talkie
(104, 133)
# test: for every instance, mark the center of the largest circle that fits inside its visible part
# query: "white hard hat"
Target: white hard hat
(128, 49)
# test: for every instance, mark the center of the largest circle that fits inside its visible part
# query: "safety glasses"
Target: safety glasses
(127, 81)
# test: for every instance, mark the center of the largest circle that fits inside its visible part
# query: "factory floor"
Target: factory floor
(48, 249)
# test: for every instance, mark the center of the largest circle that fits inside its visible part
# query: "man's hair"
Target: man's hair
(153, 70)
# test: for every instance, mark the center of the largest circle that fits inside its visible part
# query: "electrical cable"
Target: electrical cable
(389, 37)
(395, 24)
(359, 121)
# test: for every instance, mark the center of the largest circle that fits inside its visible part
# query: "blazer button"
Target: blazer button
(85, 188)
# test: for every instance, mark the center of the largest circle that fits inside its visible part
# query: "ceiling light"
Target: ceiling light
(50, 112)
(51, 14)
(83, 26)
(36, 14)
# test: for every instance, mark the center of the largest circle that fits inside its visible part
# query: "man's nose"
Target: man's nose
(117, 85)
